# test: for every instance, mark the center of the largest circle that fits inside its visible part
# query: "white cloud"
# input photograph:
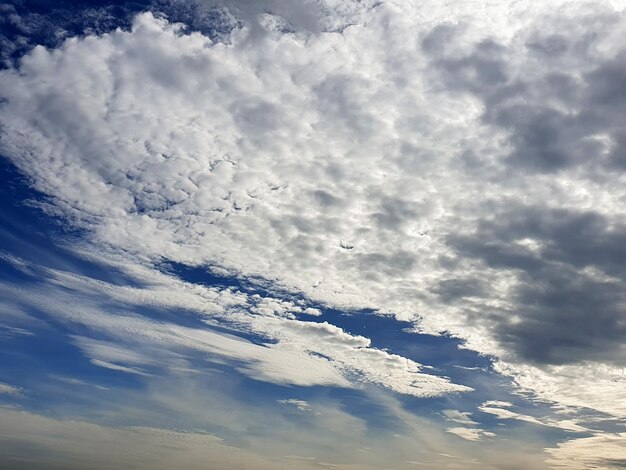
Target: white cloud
(299, 404)
(460, 417)
(587, 385)
(117, 367)
(312, 311)
(503, 413)
(498, 403)
(471, 434)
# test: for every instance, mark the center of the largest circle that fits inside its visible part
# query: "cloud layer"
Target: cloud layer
(460, 169)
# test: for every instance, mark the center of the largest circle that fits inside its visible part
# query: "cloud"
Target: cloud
(6, 389)
(498, 403)
(292, 351)
(574, 271)
(556, 99)
(468, 433)
(503, 413)
(604, 451)
(117, 367)
(299, 404)
(471, 434)
(460, 417)
(589, 385)
(545, 95)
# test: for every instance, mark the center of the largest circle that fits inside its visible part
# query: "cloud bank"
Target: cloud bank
(461, 169)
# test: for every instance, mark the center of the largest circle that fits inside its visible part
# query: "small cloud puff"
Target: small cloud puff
(459, 417)
(299, 404)
(471, 434)
(6, 389)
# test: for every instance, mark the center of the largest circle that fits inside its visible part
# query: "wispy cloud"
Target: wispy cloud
(600, 451)
(7, 389)
(460, 417)
(471, 434)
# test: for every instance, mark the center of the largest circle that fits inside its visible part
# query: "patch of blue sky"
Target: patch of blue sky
(27, 232)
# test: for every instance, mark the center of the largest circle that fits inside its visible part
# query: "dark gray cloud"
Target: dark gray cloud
(451, 290)
(558, 96)
(560, 102)
(574, 238)
(570, 293)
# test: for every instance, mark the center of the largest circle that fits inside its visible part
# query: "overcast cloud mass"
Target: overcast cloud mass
(317, 234)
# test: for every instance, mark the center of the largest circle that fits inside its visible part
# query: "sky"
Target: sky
(324, 234)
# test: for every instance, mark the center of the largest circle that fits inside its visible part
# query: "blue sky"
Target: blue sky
(356, 235)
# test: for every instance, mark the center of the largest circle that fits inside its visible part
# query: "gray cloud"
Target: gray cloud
(559, 100)
(568, 301)
(553, 96)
